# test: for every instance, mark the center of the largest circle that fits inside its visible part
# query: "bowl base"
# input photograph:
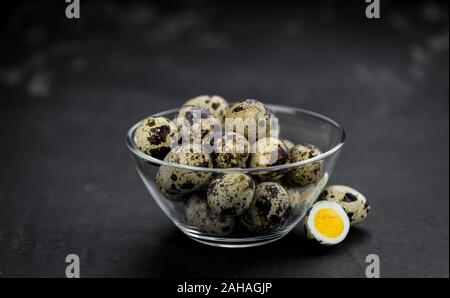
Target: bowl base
(235, 242)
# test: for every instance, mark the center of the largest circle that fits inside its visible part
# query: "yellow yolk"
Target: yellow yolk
(328, 223)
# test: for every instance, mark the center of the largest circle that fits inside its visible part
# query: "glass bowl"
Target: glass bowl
(296, 125)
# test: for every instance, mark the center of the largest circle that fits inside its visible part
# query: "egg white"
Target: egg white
(315, 234)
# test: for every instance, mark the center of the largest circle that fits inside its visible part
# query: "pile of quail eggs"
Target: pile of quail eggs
(234, 203)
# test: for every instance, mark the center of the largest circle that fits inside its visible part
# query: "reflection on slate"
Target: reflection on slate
(69, 90)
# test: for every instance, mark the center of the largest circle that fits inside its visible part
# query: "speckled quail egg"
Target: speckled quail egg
(173, 196)
(153, 136)
(268, 207)
(254, 117)
(299, 196)
(327, 223)
(288, 143)
(200, 215)
(231, 151)
(308, 173)
(216, 105)
(195, 123)
(354, 203)
(176, 180)
(302, 198)
(231, 194)
(268, 152)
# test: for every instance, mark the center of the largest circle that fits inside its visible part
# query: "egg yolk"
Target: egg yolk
(328, 223)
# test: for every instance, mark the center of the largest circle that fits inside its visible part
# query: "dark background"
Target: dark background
(70, 89)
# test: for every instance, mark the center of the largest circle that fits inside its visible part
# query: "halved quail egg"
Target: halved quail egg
(327, 223)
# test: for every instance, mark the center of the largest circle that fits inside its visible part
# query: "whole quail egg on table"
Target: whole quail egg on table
(354, 203)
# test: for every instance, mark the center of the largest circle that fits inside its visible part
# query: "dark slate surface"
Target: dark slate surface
(69, 90)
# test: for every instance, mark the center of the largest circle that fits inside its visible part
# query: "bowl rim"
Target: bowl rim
(277, 108)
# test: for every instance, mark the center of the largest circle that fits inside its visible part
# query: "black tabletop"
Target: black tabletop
(70, 89)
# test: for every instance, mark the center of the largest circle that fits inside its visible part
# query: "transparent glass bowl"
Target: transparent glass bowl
(296, 125)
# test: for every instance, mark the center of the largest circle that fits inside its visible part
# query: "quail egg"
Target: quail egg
(327, 223)
(250, 118)
(231, 151)
(173, 196)
(153, 136)
(176, 180)
(308, 173)
(200, 215)
(268, 207)
(288, 143)
(300, 196)
(354, 203)
(216, 105)
(231, 194)
(194, 123)
(268, 152)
